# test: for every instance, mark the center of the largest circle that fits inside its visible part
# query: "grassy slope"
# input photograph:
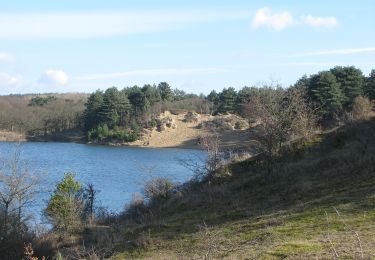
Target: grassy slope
(319, 200)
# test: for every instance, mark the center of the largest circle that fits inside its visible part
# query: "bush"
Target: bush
(361, 108)
(158, 189)
(191, 117)
(102, 133)
(65, 207)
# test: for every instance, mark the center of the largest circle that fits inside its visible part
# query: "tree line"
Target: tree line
(42, 114)
(119, 115)
(331, 92)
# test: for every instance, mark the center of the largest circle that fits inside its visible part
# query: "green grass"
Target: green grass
(313, 204)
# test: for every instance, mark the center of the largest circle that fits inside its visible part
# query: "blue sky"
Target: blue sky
(81, 46)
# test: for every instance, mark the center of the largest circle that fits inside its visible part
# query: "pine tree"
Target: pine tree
(351, 83)
(227, 100)
(93, 106)
(326, 93)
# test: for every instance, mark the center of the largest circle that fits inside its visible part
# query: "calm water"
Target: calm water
(117, 172)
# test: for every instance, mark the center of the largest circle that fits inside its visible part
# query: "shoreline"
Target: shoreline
(25, 139)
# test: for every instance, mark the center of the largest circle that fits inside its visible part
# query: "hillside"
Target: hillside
(184, 133)
(33, 116)
(317, 202)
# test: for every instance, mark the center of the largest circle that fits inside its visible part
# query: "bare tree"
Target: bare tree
(283, 115)
(213, 161)
(17, 188)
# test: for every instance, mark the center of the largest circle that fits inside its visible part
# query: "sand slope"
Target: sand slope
(187, 134)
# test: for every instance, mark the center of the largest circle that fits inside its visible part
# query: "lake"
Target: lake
(117, 172)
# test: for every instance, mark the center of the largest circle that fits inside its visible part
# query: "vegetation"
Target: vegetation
(118, 115)
(42, 115)
(17, 189)
(304, 194)
(65, 206)
(317, 202)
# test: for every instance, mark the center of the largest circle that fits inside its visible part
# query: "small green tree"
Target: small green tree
(227, 100)
(165, 91)
(64, 208)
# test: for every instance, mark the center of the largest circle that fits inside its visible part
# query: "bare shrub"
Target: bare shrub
(157, 189)
(89, 253)
(191, 117)
(283, 115)
(136, 209)
(17, 189)
(361, 109)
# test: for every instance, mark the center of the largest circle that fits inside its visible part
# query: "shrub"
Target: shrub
(157, 189)
(361, 108)
(191, 117)
(64, 209)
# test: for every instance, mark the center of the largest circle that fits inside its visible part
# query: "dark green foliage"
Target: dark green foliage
(369, 88)
(178, 94)
(165, 91)
(93, 106)
(41, 101)
(227, 100)
(351, 81)
(151, 93)
(110, 115)
(114, 107)
(138, 99)
(213, 97)
(103, 133)
(325, 91)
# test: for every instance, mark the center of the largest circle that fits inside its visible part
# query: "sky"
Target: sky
(196, 46)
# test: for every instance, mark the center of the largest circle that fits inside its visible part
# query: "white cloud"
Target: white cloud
(54, 77)
(152, 72)
(9, 80)
(337, 52)
(277, 21)
(101, 24)
(6, 57)
(320, 22)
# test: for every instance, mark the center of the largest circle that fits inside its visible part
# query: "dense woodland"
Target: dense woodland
(287, 123)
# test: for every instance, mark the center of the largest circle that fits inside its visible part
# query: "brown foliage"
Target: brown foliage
(283, 116)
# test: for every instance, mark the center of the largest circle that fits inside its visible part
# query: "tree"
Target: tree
(93, 106)
(151, 93)
(138, 100)
(165, 91)
(351, 81)
(227, 100)
(213, 97)
(17, 188)
(282, 116)
(65, 206)
(369, 88)
(326, 93)
(178, 94)
(115, 106)
(90, 197)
